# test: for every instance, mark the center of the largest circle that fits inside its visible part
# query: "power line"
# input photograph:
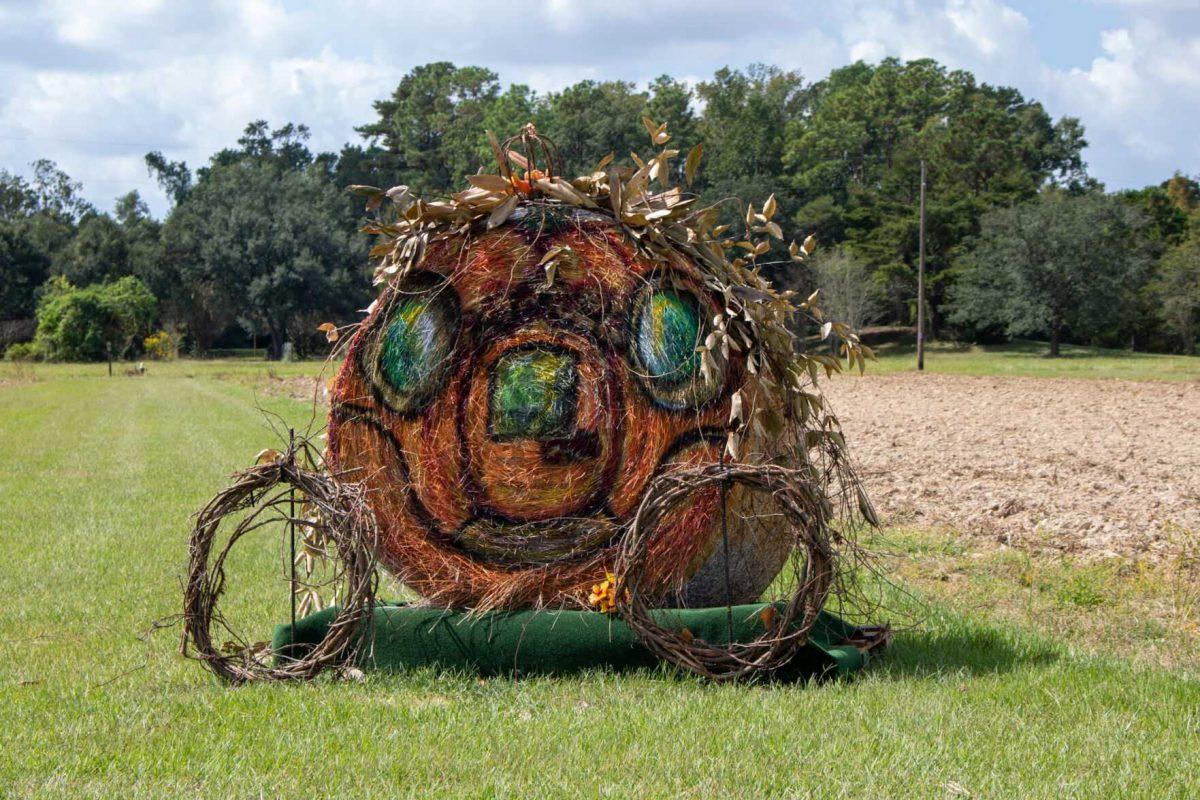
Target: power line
(93, 181)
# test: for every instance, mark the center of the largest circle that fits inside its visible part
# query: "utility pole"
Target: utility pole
(921, 281)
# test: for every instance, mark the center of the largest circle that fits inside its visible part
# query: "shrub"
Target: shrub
(89, 323)
(161, 346)
(23, 351)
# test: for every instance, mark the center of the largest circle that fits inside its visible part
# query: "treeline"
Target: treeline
(260, 247)
(261, 244)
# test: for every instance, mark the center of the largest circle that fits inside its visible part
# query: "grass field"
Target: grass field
(1032, 359)
(1022, 679)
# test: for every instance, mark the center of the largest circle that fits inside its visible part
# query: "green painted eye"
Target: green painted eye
(666, 336)
(666, 332)
(413, 346)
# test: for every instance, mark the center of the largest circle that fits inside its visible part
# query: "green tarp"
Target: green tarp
(559, 642)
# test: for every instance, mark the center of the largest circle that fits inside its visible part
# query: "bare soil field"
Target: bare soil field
(1094, 467)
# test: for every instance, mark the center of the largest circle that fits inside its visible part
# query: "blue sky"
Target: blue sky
(95, 85)
(1067, 32)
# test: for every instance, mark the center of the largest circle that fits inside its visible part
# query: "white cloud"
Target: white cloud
(986, 24)
(869, 50)
(95, 23)
(1139, 100)
(982, 33)
(94, 85)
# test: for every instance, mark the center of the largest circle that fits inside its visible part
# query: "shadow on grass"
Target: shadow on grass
(967, 650)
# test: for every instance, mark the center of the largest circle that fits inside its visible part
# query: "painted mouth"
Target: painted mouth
(531, 543)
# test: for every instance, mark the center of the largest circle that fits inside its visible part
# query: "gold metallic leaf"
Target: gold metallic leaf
(692, 163)
(502, 212)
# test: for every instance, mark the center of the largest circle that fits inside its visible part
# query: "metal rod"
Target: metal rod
(292, 526)
(725, 544)
(921, 280)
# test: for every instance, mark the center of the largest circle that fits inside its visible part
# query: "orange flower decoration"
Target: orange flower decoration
(604, 594)
(526, 184)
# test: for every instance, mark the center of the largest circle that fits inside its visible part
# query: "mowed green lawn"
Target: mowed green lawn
(98, 477)
(1032, 359)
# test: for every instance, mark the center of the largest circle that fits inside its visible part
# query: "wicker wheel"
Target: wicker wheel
(799, 501)
(348, 524)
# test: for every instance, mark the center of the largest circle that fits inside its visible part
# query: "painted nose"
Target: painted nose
(534, 394)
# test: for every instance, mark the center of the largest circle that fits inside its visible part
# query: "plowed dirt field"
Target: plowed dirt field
(1084, 466)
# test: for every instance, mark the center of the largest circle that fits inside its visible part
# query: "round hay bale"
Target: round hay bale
(507, 426)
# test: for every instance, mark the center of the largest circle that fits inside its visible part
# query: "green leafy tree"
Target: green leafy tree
(1061, 266)
(38, 220)
(49, 206)
(97, 252)
(352, 165)
(431, 126)
(173, 177)
(17, 199)
(743, 126)
(143, 241)
(854, 158)
(1177, 289)
(93, 322)
(56, 193)
(262, 238)
(285, 147)
(506, 114)
(592, 119)
(429, 132)
(1183, 191)
(105, 248)
(672, 101)
(1168, 206)
(24, 268)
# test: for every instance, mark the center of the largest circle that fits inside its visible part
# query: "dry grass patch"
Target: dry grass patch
(1143, 611)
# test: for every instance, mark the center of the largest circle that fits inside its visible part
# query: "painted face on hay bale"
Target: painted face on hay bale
(508, 423)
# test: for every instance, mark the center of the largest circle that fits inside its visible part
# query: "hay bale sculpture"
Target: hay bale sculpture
(583, 394)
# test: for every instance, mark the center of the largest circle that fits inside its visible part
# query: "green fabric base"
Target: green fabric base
(559, 642)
